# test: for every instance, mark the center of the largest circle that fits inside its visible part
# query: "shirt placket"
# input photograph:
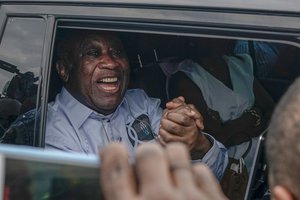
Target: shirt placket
(111, 136)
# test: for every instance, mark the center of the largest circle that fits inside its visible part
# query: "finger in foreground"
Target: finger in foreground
(116, 175)
(207, 182)
(152, 171)
(180, 166)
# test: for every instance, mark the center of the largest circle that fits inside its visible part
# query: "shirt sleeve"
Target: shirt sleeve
(216, 158)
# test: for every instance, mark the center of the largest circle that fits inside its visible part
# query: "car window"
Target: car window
(20, 66)
(167, 66)
(180, 64)
(250, 76)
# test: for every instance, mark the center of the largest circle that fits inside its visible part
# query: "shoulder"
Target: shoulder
(136, 91)
(59, 131)
(139, 98)
(138, 95)
(57, 123)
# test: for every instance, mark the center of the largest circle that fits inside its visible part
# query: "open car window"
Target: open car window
(201, 68)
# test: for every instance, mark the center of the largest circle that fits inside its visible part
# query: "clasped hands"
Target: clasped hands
(163, 173)
(183, 123)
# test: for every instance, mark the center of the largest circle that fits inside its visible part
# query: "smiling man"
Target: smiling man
(99, 74)
(94, 107)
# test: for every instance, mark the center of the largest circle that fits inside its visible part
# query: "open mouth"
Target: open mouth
(109, 84)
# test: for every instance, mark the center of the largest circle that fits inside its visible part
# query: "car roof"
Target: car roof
(255, 5)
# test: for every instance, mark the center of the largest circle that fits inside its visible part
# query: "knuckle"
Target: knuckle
(163, 122)
(185, 119)
(192, 106)
(174, 127)
(178, 129)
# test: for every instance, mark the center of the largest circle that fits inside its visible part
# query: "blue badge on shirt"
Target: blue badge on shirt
(140, 130)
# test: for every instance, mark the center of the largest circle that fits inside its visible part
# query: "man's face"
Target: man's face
(100, 79)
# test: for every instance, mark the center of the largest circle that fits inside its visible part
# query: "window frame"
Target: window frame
(38, 138)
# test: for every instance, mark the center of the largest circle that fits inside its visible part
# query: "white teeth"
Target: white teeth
(109, 80)
(109, 88)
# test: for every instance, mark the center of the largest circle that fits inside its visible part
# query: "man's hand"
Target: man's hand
(158, 174)
(180, 101)
(183, 123)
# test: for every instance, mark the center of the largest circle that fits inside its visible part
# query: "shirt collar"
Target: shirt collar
(78, 112)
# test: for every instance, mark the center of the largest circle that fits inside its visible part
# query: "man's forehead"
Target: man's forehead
(107, 38)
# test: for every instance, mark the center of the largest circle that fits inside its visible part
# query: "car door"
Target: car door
(151, 33)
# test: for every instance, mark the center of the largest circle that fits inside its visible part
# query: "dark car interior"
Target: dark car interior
(145, 52)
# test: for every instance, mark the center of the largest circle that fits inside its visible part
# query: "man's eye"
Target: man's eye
(93, 53)
(116, 53)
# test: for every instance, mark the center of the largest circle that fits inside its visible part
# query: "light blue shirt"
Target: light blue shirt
(73, 127)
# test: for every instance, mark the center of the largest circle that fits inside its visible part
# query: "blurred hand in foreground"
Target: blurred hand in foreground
(159, 173)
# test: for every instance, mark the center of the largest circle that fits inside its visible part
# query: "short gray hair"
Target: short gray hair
(283, 141)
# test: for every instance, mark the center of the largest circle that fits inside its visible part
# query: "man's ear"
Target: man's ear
(62, 71)
(282, 193)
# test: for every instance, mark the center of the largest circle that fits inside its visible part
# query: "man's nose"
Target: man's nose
(108, 61)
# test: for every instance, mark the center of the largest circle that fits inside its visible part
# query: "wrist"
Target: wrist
(201, 147)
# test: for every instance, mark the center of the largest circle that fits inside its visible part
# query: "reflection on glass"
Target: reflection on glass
(20, 63)
(22, 44)
(33, 180)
